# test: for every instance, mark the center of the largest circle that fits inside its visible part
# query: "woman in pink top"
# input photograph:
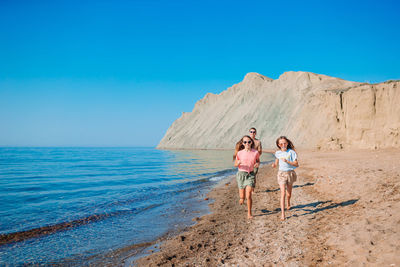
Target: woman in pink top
(246, 159)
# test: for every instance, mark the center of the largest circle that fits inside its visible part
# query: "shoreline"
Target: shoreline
(154, 245)
(345, 211)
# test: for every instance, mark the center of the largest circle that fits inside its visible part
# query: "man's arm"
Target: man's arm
(257, 162)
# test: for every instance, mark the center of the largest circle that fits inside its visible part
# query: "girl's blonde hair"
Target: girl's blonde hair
(239, 145)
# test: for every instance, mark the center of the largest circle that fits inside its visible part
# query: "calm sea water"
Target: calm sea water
(74, 205)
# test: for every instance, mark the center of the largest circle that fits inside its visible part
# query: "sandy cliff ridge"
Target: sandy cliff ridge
(315, 111)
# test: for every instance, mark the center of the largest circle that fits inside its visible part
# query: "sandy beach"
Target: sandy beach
(345, 212)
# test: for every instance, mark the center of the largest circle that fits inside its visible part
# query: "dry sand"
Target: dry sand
(345, 212)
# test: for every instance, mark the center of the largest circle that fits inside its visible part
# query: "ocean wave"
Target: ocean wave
(51, 229)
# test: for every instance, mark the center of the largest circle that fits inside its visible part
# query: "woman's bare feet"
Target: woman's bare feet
(241, 201)
(282, 217)
(249, 216)
(288, 207)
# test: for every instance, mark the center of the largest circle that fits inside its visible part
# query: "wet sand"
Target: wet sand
(345, 212)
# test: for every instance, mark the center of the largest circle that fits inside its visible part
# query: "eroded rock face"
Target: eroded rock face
(314, 111)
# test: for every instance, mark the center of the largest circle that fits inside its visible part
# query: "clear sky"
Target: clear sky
(118, 73)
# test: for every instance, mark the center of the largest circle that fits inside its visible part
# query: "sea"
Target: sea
(101, 206)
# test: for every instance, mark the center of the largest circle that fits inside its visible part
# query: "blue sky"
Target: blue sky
(118, 73)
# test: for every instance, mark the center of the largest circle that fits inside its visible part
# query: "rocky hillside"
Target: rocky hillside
(314, 111)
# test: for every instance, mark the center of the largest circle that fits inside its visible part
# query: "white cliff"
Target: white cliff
(314, 111)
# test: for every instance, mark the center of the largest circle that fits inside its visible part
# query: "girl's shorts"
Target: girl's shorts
(245, 179)
(288, 177)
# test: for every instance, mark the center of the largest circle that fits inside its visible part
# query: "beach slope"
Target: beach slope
(345, 212)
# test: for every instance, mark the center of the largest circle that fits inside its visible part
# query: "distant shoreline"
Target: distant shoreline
(218, 149)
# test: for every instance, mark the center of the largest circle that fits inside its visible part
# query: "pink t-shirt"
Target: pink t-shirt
(247, 159)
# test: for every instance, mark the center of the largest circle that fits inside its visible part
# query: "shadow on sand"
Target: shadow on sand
(295, 186)
(311, 208)
(330, 206)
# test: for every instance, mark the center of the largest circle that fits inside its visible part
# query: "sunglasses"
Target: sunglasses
(247, 142)
(252, 131)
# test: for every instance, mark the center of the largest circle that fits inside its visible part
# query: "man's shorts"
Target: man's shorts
(255, 170)
(245, 179)
(288, 177)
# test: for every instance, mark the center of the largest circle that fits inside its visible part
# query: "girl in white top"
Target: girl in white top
(287, 158)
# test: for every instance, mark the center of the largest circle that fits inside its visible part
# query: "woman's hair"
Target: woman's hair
(290, 144)
(239, 145)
